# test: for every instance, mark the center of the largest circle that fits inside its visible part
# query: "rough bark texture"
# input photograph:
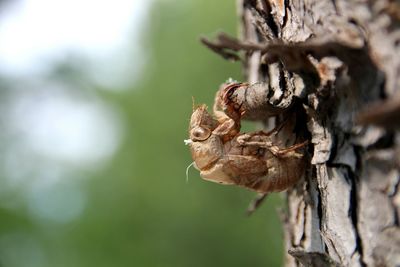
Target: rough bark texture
(336, 58)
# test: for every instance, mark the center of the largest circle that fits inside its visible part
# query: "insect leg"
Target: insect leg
(255, 203)
(268, 144)
(289, 151)
(276, 129)
(244, 140)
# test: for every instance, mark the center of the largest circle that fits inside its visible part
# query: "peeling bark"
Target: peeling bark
(339, 62)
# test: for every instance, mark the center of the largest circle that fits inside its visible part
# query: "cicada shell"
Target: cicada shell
(253, 160)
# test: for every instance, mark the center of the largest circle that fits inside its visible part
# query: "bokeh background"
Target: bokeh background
(95, 100)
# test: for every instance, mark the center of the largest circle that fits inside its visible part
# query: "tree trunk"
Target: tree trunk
(341, 61)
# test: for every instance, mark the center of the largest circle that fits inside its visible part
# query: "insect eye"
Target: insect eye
(200, 134)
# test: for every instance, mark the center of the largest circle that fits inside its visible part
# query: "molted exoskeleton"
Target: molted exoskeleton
(253, 160)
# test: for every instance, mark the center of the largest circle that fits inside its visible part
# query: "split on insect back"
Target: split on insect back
(260, 161)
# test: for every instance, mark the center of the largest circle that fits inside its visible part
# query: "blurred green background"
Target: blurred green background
(129, 204)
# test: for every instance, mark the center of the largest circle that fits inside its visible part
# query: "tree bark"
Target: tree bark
(340, 62)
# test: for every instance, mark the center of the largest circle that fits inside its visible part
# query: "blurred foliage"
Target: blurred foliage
(140, 211)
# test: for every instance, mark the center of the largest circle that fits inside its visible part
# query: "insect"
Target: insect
(252, 160)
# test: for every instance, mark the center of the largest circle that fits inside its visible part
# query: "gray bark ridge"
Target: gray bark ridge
(335, 58)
